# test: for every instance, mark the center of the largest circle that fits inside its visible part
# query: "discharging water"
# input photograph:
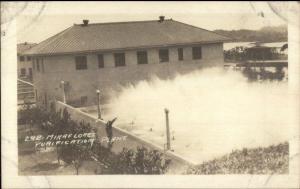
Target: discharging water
(212, 112)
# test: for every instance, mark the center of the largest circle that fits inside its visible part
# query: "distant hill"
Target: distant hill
(265, 34)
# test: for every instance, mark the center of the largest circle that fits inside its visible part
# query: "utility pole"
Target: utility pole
(168, 129)
(63, 91)
(98, 103)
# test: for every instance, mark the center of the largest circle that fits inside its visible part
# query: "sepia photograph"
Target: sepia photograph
(189, 90)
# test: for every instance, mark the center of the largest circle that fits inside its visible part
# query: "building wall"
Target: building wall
(86, 82)
(26, 64)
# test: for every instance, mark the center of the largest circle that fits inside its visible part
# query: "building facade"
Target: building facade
(109, 69)
(24, 63)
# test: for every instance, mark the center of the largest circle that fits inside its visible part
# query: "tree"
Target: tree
(72, 154)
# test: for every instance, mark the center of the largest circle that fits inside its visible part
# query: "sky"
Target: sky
(40, 20)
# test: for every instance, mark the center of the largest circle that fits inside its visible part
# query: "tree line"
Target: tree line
(265, 34)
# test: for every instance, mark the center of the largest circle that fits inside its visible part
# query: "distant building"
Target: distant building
(24, 63)
(266, 51)
(106, 56)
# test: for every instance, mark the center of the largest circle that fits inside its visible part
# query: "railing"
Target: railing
(26, 82)
(132, 140)
(25, 92)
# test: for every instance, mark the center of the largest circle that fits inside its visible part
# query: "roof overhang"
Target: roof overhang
(128, 48)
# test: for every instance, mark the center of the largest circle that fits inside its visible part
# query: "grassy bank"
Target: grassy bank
(270, 160)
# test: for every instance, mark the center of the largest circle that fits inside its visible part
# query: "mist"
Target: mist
(211, 111)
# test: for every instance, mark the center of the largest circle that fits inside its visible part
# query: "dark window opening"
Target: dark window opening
(28, 58)
(33, 64)
(23, 71)
(197, 53)
(81, 62)
(22, 58)
(37, 65)
(142, 57)
(163, 55)
(180, 54)
(30, 72)
(42, 62)
(119, 59)
(100, 61)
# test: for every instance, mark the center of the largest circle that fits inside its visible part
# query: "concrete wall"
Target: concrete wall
(131, 141)
(85, 82)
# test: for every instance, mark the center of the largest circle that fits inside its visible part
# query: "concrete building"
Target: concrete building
(106, 56)
(24, 63)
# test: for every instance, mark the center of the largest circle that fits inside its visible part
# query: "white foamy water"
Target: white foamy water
(212, 112)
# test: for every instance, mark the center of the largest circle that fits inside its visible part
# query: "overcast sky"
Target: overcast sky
(40, 20)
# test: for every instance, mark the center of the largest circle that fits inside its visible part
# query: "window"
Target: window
(33, 64)
(30, 72)
(197, 53)
(81, 62)
(163, 55)
(37, 65)
(42, 62)
(119, 59)
(142, 57)
(23, 71)
(22, 58)
(28, 58)
(180, 54)
(100, 61)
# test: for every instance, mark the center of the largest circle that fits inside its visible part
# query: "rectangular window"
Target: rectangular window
(142, 57)
(22, 58)
(37, 65)
(100, 61)
(33, 64)
(163, 55)
(42, 62)
(28, 58)
(23, 71)
(81, 62)
(30, 72)
(197, 53)
(180, 54)
(119, 59)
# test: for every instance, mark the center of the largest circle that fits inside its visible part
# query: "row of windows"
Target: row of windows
(22, 58)
(38, 64)
(142, 58)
